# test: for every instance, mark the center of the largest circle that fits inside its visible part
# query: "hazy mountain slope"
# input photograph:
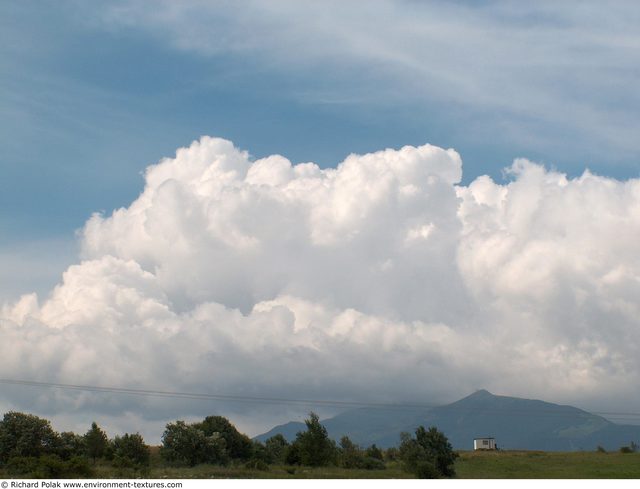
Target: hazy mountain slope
(363, 425)
(515, 424)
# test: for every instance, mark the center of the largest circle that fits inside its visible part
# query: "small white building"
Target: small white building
(484, 444)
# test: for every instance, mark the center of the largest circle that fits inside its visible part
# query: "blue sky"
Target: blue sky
(94, 94)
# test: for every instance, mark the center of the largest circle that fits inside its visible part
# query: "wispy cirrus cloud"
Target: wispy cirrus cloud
(547, 77)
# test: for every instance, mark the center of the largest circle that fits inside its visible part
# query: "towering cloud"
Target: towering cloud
(381, 279)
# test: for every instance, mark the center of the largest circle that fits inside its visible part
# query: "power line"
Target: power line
(293, 401)
(214, 397)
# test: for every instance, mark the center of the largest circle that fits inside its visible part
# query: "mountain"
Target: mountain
(515, 423)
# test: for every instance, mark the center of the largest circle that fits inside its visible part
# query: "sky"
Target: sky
(317, 200)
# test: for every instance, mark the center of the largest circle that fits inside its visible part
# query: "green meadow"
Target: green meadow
(548, 465)
(470, 465)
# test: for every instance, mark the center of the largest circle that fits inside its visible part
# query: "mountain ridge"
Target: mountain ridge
(515, 423)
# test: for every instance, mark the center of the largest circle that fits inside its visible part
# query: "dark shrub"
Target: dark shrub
(26, 435)
(49, 467)
(237, 445)
(257, 464)
(184, 444)
(70, 445)
(96, 442)
(428, 455)
(276, 449)
(130, 451)
(313, 447)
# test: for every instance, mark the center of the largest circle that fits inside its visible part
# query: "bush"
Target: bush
(632, 448)
(79, 467)
(184, 444)
(49, 467)
(391, 454)
(351, 457)
(276, 449)
(425, 469)
(257, 464)
(292, 455)
(372, 463)
(374, 452)
(96, 442)
(312, 447)
(26, 435)
(130, 451)
(237, 445)
(70, 445)
(23, 466)
(429, 455)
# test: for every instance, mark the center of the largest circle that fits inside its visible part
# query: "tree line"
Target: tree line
(29, 447)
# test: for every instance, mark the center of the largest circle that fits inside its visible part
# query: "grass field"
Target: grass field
(470, 465)
(548, 465)
(274, 472)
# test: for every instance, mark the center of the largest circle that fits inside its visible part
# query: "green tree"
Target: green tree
(276, 448)
(354, 457)
(292, 455)
(374, 452)
(130, 450)
(391, 454)
(351, 456)
(238, 445)
(184, 444)
(96, 442)
(314, 447)
(428, 455)
(26, 435)
(70, 445)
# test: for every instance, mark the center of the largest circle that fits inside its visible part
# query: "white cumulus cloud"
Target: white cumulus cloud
(383, 279)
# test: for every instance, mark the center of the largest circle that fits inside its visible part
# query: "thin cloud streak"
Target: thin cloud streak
(546, 73)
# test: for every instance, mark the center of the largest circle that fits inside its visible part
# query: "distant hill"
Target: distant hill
(515, 423)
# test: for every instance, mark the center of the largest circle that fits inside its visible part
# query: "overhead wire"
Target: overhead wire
(308, 402)
(206, 396)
